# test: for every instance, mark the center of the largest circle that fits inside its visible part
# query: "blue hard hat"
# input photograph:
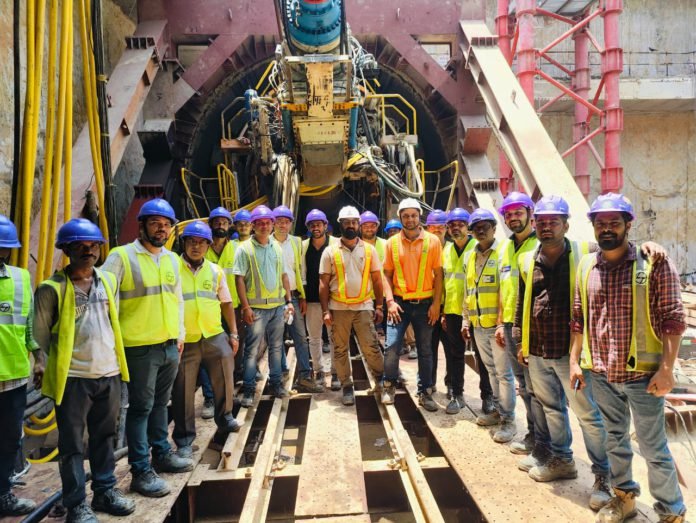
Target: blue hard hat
(611, 202)
(8, 234)
(78, 230)
(481, 215)
(458, 214)
(549, 205)
(436, 217)
(282, 211)
(316, 215)
(260, 213)
(242, 215)
(220, 212)
(199, 230)
(235, 236)
(157, 207)
(392, 224)
(516, 198)
(369, 217)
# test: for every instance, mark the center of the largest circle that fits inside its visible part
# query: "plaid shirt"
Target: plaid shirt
(610, 302)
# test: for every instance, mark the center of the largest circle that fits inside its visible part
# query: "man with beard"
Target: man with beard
(312, 250)
(349, 273)
(413, 270)
(77, 326)
(628, 319)
(242, 224)
(516, 210)
(17, 341)
(151, 314)
(294, 269)
(369, 224)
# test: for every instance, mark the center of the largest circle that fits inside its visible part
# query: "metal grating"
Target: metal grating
(562, 7)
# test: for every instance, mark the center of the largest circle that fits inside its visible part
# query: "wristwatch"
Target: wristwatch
(234, 336)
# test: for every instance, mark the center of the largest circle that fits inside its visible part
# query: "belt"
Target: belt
(415, 302)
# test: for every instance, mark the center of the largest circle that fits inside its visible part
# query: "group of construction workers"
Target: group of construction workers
(593, 327)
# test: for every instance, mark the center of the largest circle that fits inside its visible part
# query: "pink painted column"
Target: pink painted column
(581, 85)
(526, 54)
(502, 24)
(612, 66)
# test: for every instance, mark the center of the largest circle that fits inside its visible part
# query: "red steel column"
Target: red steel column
(581, 85)
(502, 24)
(612, 66)
(526, 54)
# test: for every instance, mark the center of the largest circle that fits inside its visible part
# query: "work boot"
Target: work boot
(488, 420)
(553, 469)
(171, 462)
(308, 385)
(278, 391)
(523, 447)
(81, 514)
(320, 377)
(325, 348)
(619, 509)
(450, 393)
(413, 353)
(488, 405)
(185, 451)
(11, 505)
(259, 375)
(149, 484)
(671, 518)
(247, 399)
(348, 395)
(425, 399)
(601, 492)
(113, 502)
(455, 405)
(388, 393)
(506, 432)
(208, 411)
(539, 456)
(335, 384)
(230, 424)
(286, 375)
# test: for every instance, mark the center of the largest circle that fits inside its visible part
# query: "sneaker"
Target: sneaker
(171, 462)
(278, 391)
(335, 384)
(208, 411)
(488, 405)
(11, 505)
(82, 513)
(348, 395)
(388, 393)
(247, 400)
(488, 420)
(308, 385)
(455, 405)
(537, 458)
(620, 508)
(113, 502)
(601, 492)
(506, 432)
(230, 424)
(523, 447)
(413, 353)
(553, 469)
(425, 400)
(185, 451)
(149, 484)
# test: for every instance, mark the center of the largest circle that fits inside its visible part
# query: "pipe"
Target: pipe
(612, 66)
(581, 86)
(526, 55)
(17, 79)
(502, 23)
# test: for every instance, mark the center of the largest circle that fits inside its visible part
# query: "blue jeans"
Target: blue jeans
(298, 331)
(12, 405)
(551, 379)
(152, 370)
(617, 403)
(497, 363)
(271, 324)
(415, 314)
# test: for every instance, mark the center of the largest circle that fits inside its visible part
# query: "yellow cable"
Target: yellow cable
(46, 458)
(42, 421)
(40, 432)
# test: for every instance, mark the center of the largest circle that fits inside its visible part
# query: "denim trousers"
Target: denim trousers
(268, 324)
(298, 331)
(551, 382)
(497, 363)
(12, 405)
(618, 402)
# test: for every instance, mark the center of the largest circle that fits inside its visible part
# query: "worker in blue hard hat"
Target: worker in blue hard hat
(242, 224)
(17, 341)
(392, 227)
(436, 223)
(151, 312)
(77, 325)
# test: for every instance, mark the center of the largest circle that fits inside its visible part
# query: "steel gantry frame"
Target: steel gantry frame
(519, 43)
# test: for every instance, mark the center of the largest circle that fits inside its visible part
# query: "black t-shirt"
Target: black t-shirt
(312, 259)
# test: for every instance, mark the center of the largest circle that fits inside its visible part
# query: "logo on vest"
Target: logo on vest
(207, 285)
(5, 307)
(169, 277)
(641, 277)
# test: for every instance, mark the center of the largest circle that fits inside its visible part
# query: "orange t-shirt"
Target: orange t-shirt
(409, 257)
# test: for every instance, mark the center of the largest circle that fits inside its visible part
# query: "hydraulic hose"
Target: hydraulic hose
(388, 179)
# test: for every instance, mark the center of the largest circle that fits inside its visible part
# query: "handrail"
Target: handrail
(229, 190)
(383, 97)
(453, 185)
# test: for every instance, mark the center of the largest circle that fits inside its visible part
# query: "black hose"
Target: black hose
(17, 105)
(44, 508)
(366, 126)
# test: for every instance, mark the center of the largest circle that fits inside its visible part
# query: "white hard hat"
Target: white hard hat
(410, 203)
(348, 213)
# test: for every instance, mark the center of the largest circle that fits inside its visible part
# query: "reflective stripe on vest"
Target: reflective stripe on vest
(341, 295)
(483, 292)
(202, 314)
(267, 299)
(149, 306)
(400, 284)
(509, 272)
(455, 277)
(645, 352)
(226, 262)
(526, 264)
(15, 301)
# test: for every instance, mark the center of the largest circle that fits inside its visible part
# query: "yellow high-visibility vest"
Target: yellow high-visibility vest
(258, 295)
(149, 306)
(296, 242)
(455, 277)
(15, 302)
(381, 248)
(63, 334)
(365, 292)
(526, 264)
(482, 291)
(226, 262)
(645, 352)
(202, 314)
(510, 273)
(400, 287)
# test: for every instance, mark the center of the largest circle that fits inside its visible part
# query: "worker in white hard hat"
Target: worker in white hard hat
(413, 270)
(349, 272)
